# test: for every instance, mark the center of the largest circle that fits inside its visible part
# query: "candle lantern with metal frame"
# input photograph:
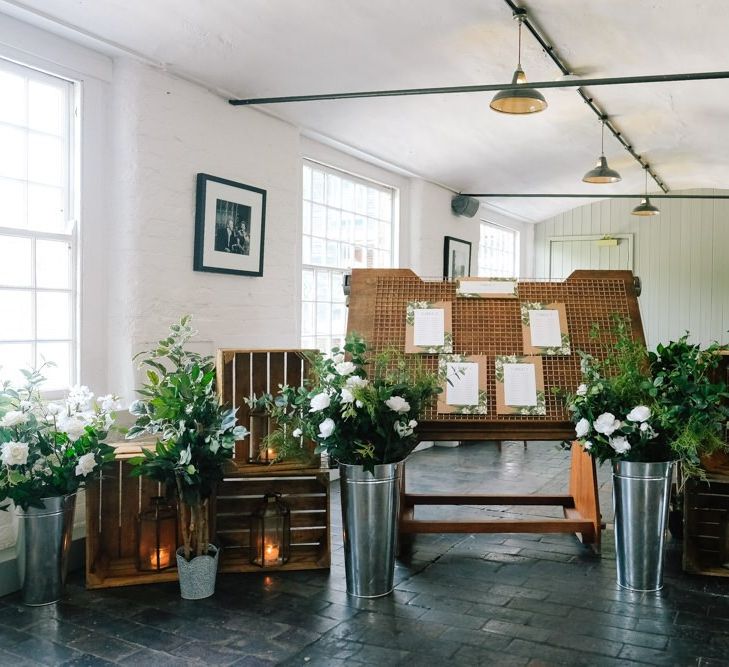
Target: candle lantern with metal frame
(156, 536)
(270, 537)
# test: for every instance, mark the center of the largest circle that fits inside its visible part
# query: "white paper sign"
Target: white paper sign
(462, 383)
(520, 384)
(544, 328)
(428, 327)
(487, 287)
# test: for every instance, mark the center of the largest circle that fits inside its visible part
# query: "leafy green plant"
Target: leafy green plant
(196, 435)
(360, 407)
(50, 448)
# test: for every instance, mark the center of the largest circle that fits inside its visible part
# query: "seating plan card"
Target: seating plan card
(428, 327)
(519, 386)
(544, 328)
(487, 288)
(463, 380)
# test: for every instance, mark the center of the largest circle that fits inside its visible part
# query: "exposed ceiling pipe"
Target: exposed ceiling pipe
(600, 113)
(602, 195)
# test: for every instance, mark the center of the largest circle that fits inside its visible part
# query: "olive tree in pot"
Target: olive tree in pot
(195, 437)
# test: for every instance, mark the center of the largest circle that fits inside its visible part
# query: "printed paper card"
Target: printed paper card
(428, 327)
(544, 328)
(520, 386)
(463, 379)
(487, 288)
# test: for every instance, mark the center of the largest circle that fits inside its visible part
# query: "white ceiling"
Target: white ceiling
(286, 47)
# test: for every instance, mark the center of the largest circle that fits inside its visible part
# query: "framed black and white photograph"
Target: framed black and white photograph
(456, 258)
(230, 220)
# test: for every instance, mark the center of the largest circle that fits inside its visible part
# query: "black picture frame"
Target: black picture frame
(230, 226)
(455, 264)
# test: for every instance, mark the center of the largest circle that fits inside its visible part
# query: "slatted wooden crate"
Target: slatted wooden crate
(243, 374)
(304, 490)
(705, 504)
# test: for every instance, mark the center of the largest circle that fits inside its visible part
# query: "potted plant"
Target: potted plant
(195, 437)
(643, 411)
(48, 451)
(362, 409)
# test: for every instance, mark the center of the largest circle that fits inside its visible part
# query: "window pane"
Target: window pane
(58, 376)
(53, 264)
(307, 286)
(12, 204)
(307, 319)
(45, 107)
(13, 357)
(323, 292)
(307, 218)
(45, 159)
(334, 223)
(306, 250)
(319, 221)
(53, 315)
(317, 185)
(334, 190)
(323, 318)
(17, 320)
(307, 183)
(348, 195)
(15, 261)
(45, 209)
(12, 98)
(13, 155)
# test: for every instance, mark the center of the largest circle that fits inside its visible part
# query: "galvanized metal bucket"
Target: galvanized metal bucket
(370, 508)
(197, 576)
(44, 542)
(641, 494)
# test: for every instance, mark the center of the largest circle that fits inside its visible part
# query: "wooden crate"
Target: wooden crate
(243, 374)
(705, 503)
(304, 490)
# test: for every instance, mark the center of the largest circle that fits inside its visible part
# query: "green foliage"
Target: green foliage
(679, 411)
(359, 407)
(50, 448)
(196, 435)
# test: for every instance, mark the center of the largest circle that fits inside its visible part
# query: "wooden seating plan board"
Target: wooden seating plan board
(489, 328)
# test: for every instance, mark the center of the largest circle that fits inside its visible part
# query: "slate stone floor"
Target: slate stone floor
(459, 599)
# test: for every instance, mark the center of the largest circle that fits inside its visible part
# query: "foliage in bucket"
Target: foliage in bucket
(359, 407)
(196, 435)
(50, 448)
(643, 406)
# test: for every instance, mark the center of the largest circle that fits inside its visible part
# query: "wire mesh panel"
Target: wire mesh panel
(492, 327)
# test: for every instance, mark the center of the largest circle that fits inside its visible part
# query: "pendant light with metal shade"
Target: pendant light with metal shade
(520, 100)
(602, 173)
(645, 208)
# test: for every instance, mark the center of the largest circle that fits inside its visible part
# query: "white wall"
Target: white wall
(679, 255)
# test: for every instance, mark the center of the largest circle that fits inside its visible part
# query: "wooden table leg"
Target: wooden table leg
(583, 488)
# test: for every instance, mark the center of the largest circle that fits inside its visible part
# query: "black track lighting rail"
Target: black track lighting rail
(600, 113)
(587, 195)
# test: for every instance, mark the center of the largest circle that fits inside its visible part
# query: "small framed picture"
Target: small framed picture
(456, 258)
(230, 221)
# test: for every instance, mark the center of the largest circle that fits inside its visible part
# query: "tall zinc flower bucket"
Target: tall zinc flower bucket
(44, 542)
(641, 493)
(370, 508)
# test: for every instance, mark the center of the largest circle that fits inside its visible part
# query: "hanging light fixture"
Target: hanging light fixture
(602, 172)
(519, 100)
(645, 208)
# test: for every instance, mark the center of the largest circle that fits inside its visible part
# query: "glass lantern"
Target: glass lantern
(156, 536)
(270, 532)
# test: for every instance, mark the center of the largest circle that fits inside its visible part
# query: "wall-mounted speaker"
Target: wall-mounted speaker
(465, 206)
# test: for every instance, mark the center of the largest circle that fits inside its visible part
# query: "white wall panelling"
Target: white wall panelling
(568, 253)
(679, 255)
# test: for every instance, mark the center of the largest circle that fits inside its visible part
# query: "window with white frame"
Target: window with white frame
(348, 222)
(38, 291)
(498, 251)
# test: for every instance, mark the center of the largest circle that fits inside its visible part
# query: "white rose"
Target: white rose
(320, 402)
(26, 406)
(345, 368)
(79, 398)
(620, 444)
(397, 404)
(347, 395)
(85, 465)
(109, 403)
(13, 418)
(326, 428)
(354, 382)
(296, 433)
(647, 429)
(582, 428)
(587, 446)
(606, 423)
(54, 409)
(582, 390)
(185, 456)
(14, 453)
(359, 404)
(403, 430)
(338, 358)
(412, 423)
(74, 426)
(640, 413)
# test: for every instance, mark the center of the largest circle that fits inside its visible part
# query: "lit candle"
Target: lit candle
(270, 554)
(164, 558)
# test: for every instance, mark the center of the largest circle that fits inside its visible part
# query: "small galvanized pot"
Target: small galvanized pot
(197, 577)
